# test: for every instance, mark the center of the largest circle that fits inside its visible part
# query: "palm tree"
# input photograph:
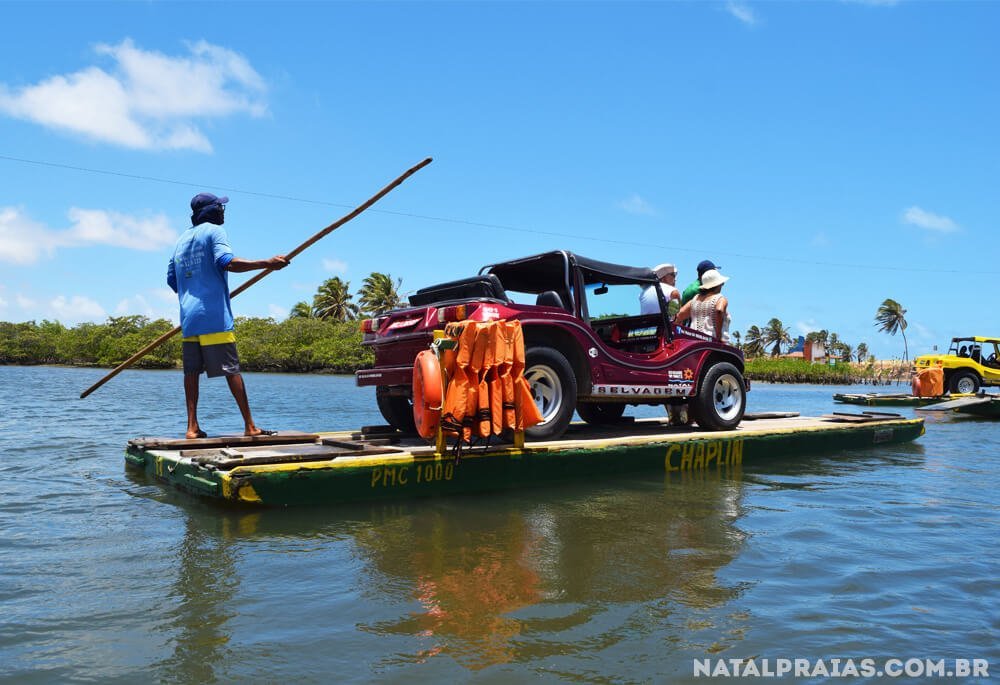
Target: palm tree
(891, 318)
(301, 310)
(822, 337)
(379, 294)
(736, 338)
(846, 352)
(862, 352)
(839, 347)
(333, 301)
(776, 334)
(753, 344)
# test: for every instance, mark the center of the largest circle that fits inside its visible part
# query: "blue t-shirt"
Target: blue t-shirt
(197, 273)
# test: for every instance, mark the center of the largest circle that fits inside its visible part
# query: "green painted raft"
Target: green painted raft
(301, 468)
(874, 399)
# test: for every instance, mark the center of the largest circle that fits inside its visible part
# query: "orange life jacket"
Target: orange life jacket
(485, 390)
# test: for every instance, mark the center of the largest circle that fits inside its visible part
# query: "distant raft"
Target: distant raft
(983, 405)
(874, 399)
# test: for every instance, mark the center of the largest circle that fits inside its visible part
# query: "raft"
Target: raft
(376, 463)
(874, 399)
(982, 405)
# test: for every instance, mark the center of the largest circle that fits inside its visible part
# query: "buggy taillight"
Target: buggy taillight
(454, 313)
(372, 325)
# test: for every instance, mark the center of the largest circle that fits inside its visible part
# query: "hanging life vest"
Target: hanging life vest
(484, 391)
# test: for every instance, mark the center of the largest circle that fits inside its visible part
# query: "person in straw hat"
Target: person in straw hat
(708, 310)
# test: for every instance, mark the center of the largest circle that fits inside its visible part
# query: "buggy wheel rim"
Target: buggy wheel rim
(727, 397)
(966, 385)
(546, 389)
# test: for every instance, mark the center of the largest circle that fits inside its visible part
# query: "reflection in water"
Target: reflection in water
(206, 579)
(468, 570)
(483, 578)
(506, 578)
(206, 576)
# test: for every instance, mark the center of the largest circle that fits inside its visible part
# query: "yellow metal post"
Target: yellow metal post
(440, 445)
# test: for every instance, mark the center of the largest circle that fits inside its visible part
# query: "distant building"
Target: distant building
(811, 351)
(814, 351)
(797, 351)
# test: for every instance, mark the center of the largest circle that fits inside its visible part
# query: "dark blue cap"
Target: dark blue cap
(202, 200)
(704, 266)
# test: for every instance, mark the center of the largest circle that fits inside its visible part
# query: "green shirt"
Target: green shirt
(690, 291)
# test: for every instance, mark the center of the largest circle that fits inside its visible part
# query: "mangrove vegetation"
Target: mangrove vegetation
(324, 336)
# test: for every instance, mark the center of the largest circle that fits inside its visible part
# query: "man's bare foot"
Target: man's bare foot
(191, 435)
(254, 432)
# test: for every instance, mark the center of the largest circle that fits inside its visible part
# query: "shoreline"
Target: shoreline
(758, 370)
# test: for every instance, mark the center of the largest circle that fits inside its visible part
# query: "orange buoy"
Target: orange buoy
(426, 393)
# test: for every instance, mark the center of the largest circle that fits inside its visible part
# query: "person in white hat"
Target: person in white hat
(708, 310)
(649, 303)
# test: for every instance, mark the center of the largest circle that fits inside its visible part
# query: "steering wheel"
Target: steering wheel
(992, 360)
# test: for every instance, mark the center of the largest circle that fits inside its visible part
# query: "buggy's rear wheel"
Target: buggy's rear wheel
(396, 409)
(553, 386)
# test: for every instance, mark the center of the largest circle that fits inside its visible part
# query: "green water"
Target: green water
(106, 577)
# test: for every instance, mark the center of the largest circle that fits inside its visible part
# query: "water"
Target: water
(107, 577)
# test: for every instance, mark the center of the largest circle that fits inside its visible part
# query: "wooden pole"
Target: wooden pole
(326, 231)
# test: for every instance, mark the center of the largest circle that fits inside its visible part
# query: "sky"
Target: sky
(826, 155)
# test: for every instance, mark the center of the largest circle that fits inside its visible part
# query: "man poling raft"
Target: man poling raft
(472, 384)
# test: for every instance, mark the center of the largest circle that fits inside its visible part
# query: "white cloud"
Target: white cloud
(741, 12)
(806, 327)
(634, 204)
(164, 295)
(24, 302)
(75, 309)
(134, 305)
(147, 101)
(915, 216)
(25, 241)
(277, 312)
(96, 226)
(139, 304)
(22, 241)
(335, 266)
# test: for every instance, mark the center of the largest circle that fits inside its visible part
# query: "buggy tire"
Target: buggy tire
(553, 385)
(600, 413)
(963, 382)
(396, 409)
(721, 399)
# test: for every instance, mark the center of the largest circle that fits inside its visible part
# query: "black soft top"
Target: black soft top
(537, 273)
(606, 272)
